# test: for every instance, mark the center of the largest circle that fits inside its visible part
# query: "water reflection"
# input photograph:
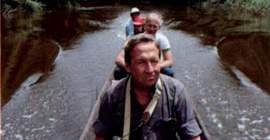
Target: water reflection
(250, 53)
(22, 57)
(66, 26)
(211, 24)
(247, 41)
(208, 24)
(30, 43)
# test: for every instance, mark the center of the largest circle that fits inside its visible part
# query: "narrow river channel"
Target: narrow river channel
(55, 75)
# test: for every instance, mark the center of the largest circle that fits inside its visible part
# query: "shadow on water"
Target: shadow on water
(243, 40)
(67, 26)
(31, 43)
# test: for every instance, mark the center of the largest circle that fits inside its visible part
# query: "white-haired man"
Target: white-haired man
(152, 25)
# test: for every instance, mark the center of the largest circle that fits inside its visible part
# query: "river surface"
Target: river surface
(53, 66)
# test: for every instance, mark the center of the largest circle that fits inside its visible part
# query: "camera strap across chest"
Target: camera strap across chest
(147, 112)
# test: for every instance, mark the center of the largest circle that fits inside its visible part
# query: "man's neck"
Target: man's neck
(143, 95)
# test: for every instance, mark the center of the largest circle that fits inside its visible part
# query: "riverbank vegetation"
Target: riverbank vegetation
(33, 6)
(9, 6)
(213, 21)
(255, 6)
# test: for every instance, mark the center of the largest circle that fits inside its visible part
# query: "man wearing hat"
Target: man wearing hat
(120, 69)
(135, 12)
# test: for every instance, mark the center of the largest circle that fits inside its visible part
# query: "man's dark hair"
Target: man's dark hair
(136, 39)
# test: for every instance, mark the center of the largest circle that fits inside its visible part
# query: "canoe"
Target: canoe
(88, 133)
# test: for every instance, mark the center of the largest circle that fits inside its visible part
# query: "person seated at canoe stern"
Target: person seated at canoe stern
(152, 26)
(120, 70)
(129, 28)
(146, 105)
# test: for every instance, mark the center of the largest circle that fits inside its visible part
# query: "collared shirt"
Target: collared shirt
(174, 103)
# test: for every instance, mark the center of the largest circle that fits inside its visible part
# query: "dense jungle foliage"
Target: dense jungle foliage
(254, 6)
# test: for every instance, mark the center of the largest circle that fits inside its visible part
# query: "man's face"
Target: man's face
(145, 64)
(151, 27)
(134, 15)
(138, 29)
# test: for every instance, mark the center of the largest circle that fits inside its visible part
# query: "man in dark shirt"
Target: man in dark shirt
(146, 105)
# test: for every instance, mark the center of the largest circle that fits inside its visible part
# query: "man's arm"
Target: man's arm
(129, 28)
(120, 59)
(102, 124)
(188, 126)
(167, 59)
(166, 51)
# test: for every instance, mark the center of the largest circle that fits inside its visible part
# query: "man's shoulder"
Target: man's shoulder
(163, 40)
(171, 81)
(161, 36)
(129, 22)
(172, 85)
(175, 89)
(117, 88)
